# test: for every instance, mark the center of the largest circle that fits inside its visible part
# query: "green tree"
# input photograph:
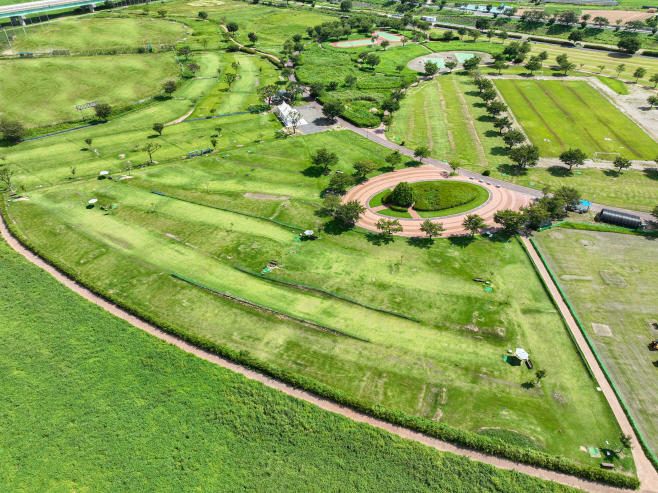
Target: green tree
(513, 137)
(184, 51)
(72, 172)
(6, 175)
(462, 31)
(232, 27)
(502, 124)
(169, 86)
(330, 202)
(324, 159)
(495, 108)
(333, 109)
(474, 33)
(389, 226)
(566, 196)
(230, 79)
(503, 35)
(600, 21)
(489, 95)
(340, 182)
(267, 92)
(533, 64)
(432, 229)
(525, 155)
(162, 12)
(654, 79)
(346, 5)
(535, 213)
(349, 213)
(402, 194)
(620, 68)
(626, 441)
(203, 15)
(629, 45)
(213, 143)
(421, 152)
(88, 141)
(253, 37)
(372, 60)
(385, 44)
(564, 63)
(498, 65)
(540, 374)
(512, 221)
(473, 223)
(652, 100)
(601, 68)
(364, 167)
(150, 149)
(431, 69)
(192, 67)
(654, 212)
(573, 157)
(576, 36)
(639, 73)
(472, 63)
(394, 159)
(350, 80)
(621, 163)
(451, 66)
(103, 111)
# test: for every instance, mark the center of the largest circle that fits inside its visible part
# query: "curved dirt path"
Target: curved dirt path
(301, 394)
(499, 198)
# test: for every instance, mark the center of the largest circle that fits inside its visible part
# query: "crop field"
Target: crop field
(118, 406)
(81, 35)
(558, 115)
(58, 84)
(610, 279)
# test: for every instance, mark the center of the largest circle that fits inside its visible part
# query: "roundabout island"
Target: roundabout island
(487, 199)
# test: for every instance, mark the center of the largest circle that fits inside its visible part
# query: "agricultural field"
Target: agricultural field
(88, 34)
(118, 406)
(610, 279)
(559, 115)
(58, 84)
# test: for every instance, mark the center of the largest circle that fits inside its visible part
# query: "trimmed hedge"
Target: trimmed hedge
(422, 425)
(551, 41)
(603, 48)
(440, 195)
(649, 53)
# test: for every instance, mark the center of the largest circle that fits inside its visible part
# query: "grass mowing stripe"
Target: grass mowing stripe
(280, 223)
(324, 291)
(270, 310)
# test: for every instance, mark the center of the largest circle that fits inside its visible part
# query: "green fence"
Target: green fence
(645, 447)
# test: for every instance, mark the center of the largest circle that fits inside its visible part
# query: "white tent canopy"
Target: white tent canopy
(288, 114)
(93, 201)
(521, 353)
(102, 173)
(309, 232)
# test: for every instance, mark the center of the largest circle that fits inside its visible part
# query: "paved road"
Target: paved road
(300, 394)
(645, 471)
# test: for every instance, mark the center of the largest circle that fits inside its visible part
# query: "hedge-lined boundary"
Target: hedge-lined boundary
(422, 425)
(270, 310)
(645, 447)
(605, 228)
(564, 320)
(280, 223)
(301, 285)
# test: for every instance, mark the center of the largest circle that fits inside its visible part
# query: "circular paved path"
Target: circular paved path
(499, 198)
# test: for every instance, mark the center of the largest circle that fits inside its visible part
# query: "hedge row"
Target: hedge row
(605, 228)
(551, 41)
(649, 53)
(645, 447)
(422, 425)
(323, 291)
(603, 48)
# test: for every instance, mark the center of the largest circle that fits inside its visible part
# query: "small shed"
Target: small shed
(427, 18)
(521, 353)
(287, 113)
(620, 219)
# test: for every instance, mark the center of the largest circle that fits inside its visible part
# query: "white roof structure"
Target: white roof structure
(93, 201)
(103, 173)
(287, 114)
(521, 353)
(309, 232)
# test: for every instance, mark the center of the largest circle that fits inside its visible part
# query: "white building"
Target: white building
(288, 115)
(427, 19)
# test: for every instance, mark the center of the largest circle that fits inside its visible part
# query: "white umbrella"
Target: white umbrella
(309, 232)
(521, 353)
(93, 201)
(104, 173)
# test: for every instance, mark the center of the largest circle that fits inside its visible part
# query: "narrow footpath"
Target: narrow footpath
(320, 402)
(645, 471)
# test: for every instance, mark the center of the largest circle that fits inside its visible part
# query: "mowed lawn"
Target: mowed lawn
(611, 279)
(90, 403)
(82, 34)
(559, 115)
(57, 85)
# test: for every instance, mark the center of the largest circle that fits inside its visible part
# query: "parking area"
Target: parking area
(316, 120)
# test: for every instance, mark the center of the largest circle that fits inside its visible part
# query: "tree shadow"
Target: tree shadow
(612, 173)
(492, 134)
(89, 206)
(313, 171)
(336, 228)
(510, 169)
(651, 173)
(379, 239)
(154, 136)
(461, 241)
(512, 360)
(620, 56)
(412, 164)
(528, 385)
(559, 171)
(419, 242)
(499, 151)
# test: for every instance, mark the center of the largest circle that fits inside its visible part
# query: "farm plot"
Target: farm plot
(56, 85)
(463, 331)
(135, 402)
(610, 279)
(560, 115)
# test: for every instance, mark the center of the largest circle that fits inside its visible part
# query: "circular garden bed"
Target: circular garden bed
(430, 198)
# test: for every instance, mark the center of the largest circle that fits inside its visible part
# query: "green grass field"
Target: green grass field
(56, 85)
(610, 280)
(81, 35)
(558, 116)
(119, 410)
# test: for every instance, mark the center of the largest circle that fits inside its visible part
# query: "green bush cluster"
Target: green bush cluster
(440, 195)
(358, 113)
(441, 431)
(649, 53)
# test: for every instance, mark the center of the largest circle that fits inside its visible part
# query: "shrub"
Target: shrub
(403, 194)
(486, 172)
(649, 53)
(440, 195)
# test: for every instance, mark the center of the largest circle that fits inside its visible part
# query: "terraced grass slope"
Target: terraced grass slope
(610, 280)
(89, 400)
(558, 115)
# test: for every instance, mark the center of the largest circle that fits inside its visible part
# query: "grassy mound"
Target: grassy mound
(440, 195)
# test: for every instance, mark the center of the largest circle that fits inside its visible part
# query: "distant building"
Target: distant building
(427, 19)
(287, 114)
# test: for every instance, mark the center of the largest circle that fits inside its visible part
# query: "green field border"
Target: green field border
(564, 320)
(645, 447)
(280, 223)
(441, 431)
(268, 309)
(301, 285)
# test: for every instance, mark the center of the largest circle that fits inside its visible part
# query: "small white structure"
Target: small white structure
(520, 353)
(93, 201)
(288, 115)
(427, 18)
(103, 173)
